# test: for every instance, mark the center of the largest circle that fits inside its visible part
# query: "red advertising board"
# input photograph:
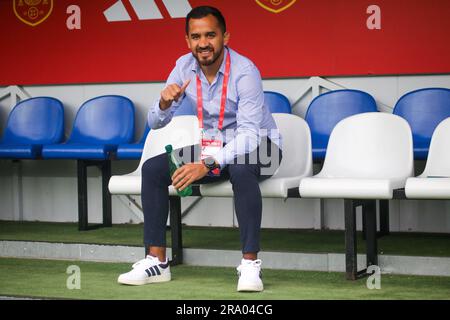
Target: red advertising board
(87, 41)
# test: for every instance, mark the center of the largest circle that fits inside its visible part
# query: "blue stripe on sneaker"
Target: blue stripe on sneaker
(152, 270)
(148, 272)
(157, 270)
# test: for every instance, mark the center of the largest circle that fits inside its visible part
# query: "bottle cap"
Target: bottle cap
(169, 148)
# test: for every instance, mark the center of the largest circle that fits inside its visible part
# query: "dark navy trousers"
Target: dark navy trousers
(244, 175)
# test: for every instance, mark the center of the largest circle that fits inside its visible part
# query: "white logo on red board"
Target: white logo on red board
(147, 10)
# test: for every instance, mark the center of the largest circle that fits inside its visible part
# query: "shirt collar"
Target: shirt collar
(195, 67)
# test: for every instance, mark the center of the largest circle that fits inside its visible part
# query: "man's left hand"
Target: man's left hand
(187, 174)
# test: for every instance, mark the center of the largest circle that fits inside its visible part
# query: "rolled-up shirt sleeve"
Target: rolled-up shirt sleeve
(158, 118)
(248, 118)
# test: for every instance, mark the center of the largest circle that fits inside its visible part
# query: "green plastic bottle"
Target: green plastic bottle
(174, 165)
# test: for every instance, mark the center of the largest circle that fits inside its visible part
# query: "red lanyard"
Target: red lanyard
(223, 99)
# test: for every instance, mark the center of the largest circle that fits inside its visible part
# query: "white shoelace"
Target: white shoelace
(145, 262)
(249, 265)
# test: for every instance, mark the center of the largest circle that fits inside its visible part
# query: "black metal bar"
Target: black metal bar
(196, 191)
(384, 218)
(350, 240)
(370, 214)
(358, 202)
(82, 196)
(293, 193)
(317, 165)
(399, 194)
(105, 168)
(175, 228)
(106, 175)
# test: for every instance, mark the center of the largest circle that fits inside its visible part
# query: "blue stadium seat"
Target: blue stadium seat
(326, 110)
(424, 109)
(277, 102)
(32, 123)
(101, 124)
(133, 150)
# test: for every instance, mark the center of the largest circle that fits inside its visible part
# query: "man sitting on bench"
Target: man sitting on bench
(238, 135)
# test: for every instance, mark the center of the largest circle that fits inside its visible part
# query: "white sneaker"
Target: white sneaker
(148, 270)
(249, 273)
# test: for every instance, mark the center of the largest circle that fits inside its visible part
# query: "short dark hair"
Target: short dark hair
(203, 11)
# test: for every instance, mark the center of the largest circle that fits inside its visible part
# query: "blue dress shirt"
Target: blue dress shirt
(247, 119)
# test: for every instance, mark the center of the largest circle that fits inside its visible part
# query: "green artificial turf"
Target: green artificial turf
(48, 278)
(283, 240)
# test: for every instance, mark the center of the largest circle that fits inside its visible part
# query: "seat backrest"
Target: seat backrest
(296, 146)
(438, 162)
(181, 131)
(276, 102)
(106, 119)
(327, 109)
(38, 120)
(370, 145)
(146, 131)
(424, 109)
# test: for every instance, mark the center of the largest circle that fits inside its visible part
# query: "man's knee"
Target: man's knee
(243, 172)
(155, 166)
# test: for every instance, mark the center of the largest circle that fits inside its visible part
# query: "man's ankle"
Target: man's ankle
(158, 252)
(250, 256)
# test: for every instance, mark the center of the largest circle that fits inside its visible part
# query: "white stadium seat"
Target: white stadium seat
(180, 132)
(434, 182)
(368, 156)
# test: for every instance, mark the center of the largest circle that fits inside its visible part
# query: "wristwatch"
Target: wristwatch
(210, 163)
